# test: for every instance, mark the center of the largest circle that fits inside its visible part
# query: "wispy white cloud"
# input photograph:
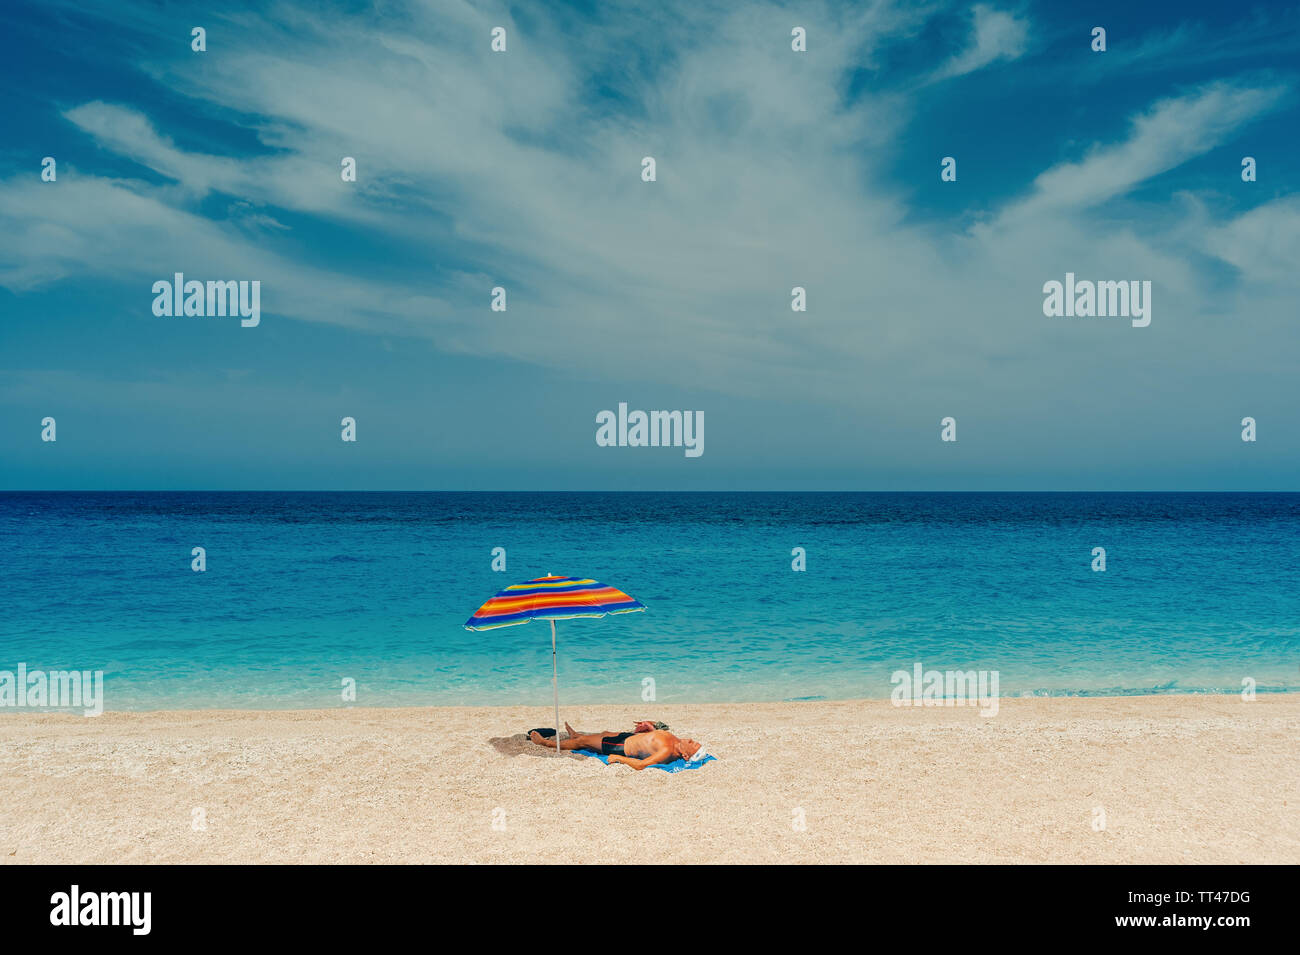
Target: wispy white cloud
(121, 233)
(1248, 37)
(1263, 244)
(995, 35)
(769, 177)
(1167, 135)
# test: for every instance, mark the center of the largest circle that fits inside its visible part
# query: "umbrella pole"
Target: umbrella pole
(555, 685)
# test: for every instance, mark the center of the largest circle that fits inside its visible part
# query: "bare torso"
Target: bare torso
(642, 745)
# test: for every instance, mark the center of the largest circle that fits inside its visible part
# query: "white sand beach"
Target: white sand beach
(1199, 779)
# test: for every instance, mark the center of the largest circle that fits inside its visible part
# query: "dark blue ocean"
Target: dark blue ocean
(303, 590)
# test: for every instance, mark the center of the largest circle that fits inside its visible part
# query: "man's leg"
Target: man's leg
(586, 741)
(572, 732)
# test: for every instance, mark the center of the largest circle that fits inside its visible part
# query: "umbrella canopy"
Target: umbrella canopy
(551, 598)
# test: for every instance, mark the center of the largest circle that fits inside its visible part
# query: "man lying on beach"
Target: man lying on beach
(644, 746)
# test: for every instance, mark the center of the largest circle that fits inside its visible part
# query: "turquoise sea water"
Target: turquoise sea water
(303, 590)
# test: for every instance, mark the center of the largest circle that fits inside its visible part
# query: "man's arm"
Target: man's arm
(661, 755)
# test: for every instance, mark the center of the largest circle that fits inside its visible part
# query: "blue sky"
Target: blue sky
(775, 169)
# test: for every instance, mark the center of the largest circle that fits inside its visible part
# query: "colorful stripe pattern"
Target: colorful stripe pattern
(551, 598)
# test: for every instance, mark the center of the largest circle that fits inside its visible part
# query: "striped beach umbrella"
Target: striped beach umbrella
(551, 598)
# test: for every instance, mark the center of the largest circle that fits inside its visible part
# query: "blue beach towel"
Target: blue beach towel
(676, 766)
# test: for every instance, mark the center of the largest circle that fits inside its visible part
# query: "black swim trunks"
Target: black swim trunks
(613, 745)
